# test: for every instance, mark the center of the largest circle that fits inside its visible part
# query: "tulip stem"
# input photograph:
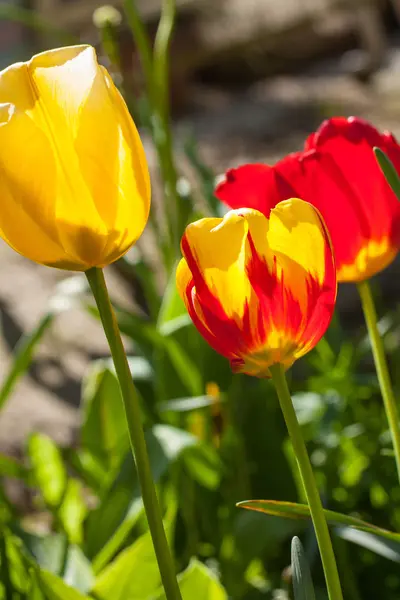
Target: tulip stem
(310, 486)
(130, 399)
(381, 366)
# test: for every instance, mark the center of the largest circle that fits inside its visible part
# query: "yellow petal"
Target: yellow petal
(183, 278)
(215, 251)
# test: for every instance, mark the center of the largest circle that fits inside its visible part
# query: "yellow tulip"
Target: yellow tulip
(74, 182)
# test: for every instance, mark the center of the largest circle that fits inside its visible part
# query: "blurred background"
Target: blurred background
(248, 81)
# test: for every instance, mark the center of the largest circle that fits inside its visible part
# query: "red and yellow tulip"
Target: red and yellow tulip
(260, 290)
(74, 183)
(338, 174)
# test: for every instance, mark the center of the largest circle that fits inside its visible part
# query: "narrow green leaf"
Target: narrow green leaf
(189, 404)
(302, 583)
(386, 548)
(72, 511)
(389, 171)
(301, 511)
(48, 468)
(23, 353)
(172, 306)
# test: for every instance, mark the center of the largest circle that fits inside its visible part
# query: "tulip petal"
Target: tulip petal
(215, 252)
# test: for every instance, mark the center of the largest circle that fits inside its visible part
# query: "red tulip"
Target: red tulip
(337, 172)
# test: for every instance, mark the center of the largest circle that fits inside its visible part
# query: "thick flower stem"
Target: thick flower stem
(381, 366)
(310, 486)
(133, 415)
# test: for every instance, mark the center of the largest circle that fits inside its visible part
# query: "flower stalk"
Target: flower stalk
(389, 401)
(310, 486)
(130, 399)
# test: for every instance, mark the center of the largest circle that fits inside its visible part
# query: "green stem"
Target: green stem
(133, 415)
(310, 486)
(381, 366)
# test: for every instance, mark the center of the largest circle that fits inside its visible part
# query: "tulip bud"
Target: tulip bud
(74, 182)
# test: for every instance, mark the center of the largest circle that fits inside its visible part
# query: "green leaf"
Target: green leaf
(386, 548)
(72, 511)
(48, 468)
(303, 588)
(10, 467)
(55, 589)
(389, 171)
(53, 553)
(25, 348)
(172, 306)
(146, 335)
(204, 465)
(200, 583)
(133, 575)
(109, 525)
(189, 404)
(292, 510)
(104, 431)
(48, 551)
(204, 173)
(78, 572)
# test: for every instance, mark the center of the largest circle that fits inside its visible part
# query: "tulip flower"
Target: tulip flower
(338, 174)
(260, 290)
(74, 182)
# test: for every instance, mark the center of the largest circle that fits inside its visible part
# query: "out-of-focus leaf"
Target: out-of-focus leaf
(111, 522)
(29, 18)
(198, 582)
(104, 431)
(189, 404)
(384, 547)
(48, 468)
(303, 588)
(25, 348)
(72, 511)
(54, 588)
(204, 465)
(172, 306)
(301, 511)
(174, 325)
(205, 175)
(53, 554)
(389, 171)
(146, 335)
(48, 551)
(308, 406)
(10, 467)
(133, 574)
(78, 571)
